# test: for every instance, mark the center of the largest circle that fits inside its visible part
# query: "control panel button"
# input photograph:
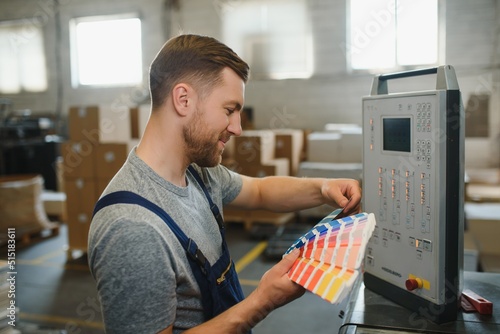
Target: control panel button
(412, 241)
(427, 245)
(419, 255)
(413, 283)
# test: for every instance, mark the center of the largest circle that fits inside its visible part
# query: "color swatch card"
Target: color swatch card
(331, 254)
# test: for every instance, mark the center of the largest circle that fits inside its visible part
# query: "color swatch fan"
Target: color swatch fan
(331, 254)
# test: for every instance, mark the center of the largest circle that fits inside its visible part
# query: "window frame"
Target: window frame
(74, 72)
(441, 45)
(245, 49)
(29, 25)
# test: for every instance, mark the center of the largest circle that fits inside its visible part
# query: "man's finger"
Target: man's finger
(287, 261)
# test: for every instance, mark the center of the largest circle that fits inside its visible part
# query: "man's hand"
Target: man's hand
(275, 287)
(274, 290)
(345, 193)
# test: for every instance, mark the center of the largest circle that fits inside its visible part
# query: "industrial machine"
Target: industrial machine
(413, 181)
(28, 144)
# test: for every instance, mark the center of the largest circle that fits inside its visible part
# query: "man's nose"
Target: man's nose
(234, 126)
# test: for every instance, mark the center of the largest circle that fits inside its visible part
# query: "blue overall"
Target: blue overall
(219, 285)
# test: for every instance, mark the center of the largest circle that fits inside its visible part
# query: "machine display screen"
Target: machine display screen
(397, 134)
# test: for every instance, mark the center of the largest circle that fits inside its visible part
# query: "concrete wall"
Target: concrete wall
(331, 95)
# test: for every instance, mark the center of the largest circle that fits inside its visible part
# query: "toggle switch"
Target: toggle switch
(413, 283)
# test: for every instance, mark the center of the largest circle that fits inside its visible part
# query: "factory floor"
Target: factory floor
(56, 294)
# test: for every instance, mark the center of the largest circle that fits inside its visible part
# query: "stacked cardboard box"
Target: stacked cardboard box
(289, 144)
(96, 150)
(139, 117)
(482, 184)
(254, 154)
(483, 223)
(323, 147)
(260, 153)
(339, 143)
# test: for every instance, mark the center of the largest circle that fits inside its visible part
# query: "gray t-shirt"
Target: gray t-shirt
(143, 277)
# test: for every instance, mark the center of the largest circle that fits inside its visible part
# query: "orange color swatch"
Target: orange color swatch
(331, 254)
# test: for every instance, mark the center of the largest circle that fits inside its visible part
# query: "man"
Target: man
(160, 259)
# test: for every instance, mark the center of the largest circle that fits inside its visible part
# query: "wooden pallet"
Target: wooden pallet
(28, 236)
(255, 217)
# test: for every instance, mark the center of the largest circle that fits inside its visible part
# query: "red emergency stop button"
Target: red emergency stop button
(413, 283)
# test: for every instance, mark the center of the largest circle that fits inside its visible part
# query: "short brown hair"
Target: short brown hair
(197, 60)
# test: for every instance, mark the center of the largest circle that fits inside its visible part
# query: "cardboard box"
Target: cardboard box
(351, 148)
(54, 204)
(351, 141)
(80, 201)
(323, 147)
(134, 123)
(109, 158)
(272, 167)
(114, 124)
(84, 160)
(483, 223)
(78, 159)
(83, 122)
(477, 117)
(486, 232)
(335, 147)
(483, 193)
(343, 127)
(99, 124)
(305, 146)
(254, 147)
(484, 175)
(228, 153)
(289, 144)
(139, 117)
(331, 170)
(257, 147)
(479, 153)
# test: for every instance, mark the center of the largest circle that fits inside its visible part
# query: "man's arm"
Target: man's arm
(280, 194)
(274, 290)
(287, 194)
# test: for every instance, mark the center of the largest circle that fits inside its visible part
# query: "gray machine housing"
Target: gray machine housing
(413, 181)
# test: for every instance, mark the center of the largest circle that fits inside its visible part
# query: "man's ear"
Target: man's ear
(182, 98)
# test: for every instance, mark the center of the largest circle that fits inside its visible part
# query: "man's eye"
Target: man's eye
(229, 110)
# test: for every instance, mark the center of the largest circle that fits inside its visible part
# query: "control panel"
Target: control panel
(413, 183)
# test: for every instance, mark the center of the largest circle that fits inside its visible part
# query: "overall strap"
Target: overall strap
(213, 207)
(128, 197)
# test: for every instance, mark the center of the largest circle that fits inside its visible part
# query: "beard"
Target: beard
(202, 145)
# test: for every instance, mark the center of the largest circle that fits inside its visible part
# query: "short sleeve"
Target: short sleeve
(135, 279)
(229, 182)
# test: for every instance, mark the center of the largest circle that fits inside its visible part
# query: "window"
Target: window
(392, 34)
(22, 58)
(106, 51)
(274, 37)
